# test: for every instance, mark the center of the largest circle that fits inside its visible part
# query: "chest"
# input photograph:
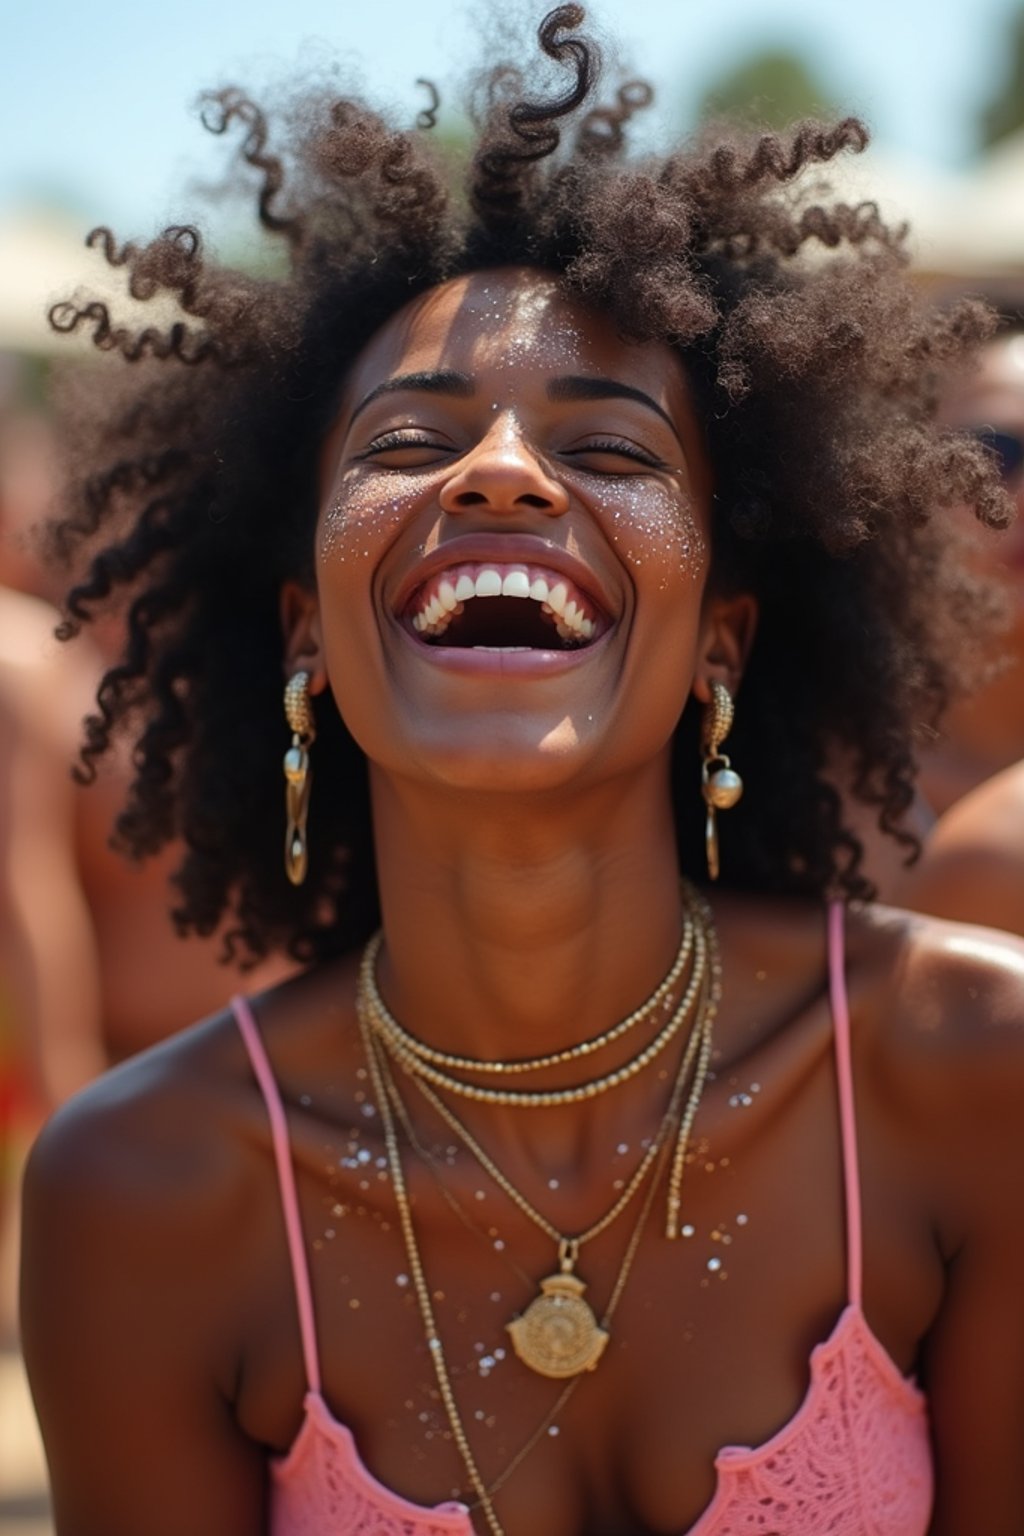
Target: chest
(710, 1343)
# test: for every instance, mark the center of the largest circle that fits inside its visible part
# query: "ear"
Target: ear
(303, 640)
(728, 626)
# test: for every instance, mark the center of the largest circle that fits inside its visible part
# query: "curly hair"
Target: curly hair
(192, 474)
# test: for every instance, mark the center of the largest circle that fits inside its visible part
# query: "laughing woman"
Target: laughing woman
(581, 511)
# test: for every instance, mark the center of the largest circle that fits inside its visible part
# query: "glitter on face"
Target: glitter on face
(714, 1265)
(402, 1280)
(305, 1100)
(742, 1219)
(653, 522)
(688, 1230)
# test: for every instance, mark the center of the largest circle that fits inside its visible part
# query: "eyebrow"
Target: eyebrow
(592, 387)
(571, 388)
(443, 382)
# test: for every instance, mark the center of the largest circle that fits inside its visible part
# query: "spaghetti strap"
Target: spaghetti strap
(286, 1182)
(847, 1114)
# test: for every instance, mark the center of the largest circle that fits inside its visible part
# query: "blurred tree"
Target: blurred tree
(772, 88)
(1004, 113)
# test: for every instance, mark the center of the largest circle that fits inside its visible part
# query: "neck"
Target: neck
(514, 929)
(517, 929)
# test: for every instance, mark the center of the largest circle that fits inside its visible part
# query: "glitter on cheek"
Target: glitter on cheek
(365, 512)
(652, 524)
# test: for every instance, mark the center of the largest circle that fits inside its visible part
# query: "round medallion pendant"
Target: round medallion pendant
(558, 1334)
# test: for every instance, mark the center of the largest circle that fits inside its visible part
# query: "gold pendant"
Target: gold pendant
(558, 1334)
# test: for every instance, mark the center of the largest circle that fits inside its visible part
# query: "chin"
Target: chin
(507, 756)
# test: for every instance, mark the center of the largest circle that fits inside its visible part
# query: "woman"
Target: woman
(516, 493)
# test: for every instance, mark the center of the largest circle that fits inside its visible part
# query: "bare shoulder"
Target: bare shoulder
(972, 868)
(138, 1144)
(168, 1139)
(941, 1009)
(939, 987)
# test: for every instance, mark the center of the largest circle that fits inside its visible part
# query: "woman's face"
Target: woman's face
(512, 546)
(990, 402)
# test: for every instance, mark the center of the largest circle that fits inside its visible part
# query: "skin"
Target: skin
(972, 868)
(985, 734)
(530, 898)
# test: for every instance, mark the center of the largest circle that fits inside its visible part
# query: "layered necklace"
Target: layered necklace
(558, 1334)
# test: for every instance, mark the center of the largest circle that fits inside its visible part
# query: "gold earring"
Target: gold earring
(298, 776)
(720, 784)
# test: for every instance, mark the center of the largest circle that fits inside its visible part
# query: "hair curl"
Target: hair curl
(192, 486)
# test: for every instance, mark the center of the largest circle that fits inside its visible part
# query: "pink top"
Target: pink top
(854, 1460)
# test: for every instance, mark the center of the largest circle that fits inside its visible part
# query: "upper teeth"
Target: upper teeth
(557, 596)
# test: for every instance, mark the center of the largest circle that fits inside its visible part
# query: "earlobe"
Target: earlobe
(300, 627)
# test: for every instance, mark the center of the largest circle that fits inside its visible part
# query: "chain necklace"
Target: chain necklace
(430, 1162)
(558, 1334)
(401, 1041)
(393, 1037)
(381, 1078)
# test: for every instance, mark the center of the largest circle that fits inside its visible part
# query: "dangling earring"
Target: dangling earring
(297, 775)
(721, 786)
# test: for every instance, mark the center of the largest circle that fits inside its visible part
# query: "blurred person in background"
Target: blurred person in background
(49, 967)
(972, 868)
(148, 980)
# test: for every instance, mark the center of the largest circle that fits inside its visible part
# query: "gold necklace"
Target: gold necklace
(381, 1023)
(558, 1334)
(432, 1165)
(402, 1041)
(380, 1075)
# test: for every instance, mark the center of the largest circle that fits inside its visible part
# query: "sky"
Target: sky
(97, 101)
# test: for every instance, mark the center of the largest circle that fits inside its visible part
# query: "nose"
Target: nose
(504, 474)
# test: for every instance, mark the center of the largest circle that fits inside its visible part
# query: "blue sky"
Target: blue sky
(96, 100)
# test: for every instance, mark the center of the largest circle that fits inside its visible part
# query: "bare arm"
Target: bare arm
(964, 1088)
(48, 956)
(127, 1326)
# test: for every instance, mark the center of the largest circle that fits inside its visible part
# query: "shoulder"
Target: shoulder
(139, 1142)
(938, 1019)
(972, 868)
(171, 1136)
(937, 989)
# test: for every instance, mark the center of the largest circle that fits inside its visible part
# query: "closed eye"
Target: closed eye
(613, 448)
(404, 449)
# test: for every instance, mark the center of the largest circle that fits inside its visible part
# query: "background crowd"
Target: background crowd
(91, 968)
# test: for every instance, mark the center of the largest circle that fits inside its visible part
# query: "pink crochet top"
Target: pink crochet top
(854, 1460)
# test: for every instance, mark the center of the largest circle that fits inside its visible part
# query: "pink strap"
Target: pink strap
(847, 1116)
(286, 1181)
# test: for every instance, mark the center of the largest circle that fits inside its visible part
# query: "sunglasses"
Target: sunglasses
(1007, 447)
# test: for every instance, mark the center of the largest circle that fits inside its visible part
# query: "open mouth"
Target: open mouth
(504, 608)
